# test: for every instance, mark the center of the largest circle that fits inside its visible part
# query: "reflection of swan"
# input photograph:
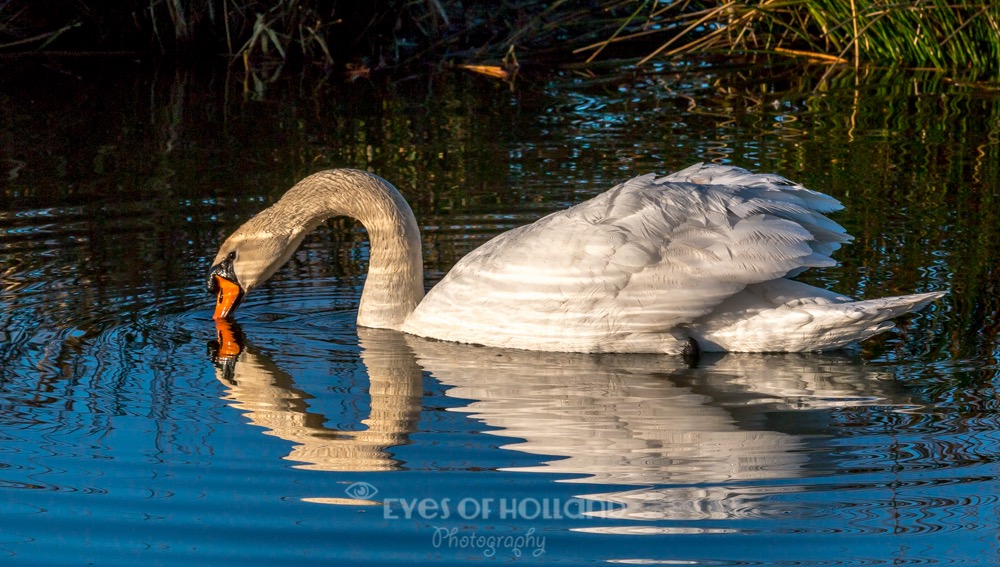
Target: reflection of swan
(271, 400)
(649, 420)
(617, 420)
(640, 419)
(697, 259)
(697, 440)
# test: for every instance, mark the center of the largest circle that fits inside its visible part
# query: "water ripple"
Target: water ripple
(119, 420)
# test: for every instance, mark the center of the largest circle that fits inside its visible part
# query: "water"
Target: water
(129, 432)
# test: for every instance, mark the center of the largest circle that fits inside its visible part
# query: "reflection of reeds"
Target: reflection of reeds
(939, 34)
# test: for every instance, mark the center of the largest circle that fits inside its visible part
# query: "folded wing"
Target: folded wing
(622, 271)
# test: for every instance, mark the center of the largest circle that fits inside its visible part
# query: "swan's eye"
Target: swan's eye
(231, 256)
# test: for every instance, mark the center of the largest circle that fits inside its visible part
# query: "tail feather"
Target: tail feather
(788, 316)
(891, 307)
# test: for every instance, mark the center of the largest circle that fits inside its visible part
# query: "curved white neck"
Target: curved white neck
(394, 285)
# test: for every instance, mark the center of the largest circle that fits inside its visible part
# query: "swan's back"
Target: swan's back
(631, 269)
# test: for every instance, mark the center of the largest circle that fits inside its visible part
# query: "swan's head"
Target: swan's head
(248, 258)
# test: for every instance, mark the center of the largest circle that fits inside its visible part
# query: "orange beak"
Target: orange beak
(229, 297)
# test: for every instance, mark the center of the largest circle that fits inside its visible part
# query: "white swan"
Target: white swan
(696, 259)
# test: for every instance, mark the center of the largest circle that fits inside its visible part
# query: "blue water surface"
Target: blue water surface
(134, 429)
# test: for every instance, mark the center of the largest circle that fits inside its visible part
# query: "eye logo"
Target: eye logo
(361, 491)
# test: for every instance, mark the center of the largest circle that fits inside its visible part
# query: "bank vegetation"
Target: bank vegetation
(953, 35)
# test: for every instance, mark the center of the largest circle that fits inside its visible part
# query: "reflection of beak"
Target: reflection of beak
(229, 341)
(228, 299)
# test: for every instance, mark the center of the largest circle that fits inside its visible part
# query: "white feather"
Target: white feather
(646, 266)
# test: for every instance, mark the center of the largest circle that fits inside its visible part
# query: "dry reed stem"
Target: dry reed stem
(49, 37)
(618, 31)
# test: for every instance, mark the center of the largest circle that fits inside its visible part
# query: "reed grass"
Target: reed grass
(939, 34)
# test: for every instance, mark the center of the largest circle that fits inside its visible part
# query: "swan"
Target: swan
(697, 260)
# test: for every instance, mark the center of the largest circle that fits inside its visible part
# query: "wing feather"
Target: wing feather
(624, 269)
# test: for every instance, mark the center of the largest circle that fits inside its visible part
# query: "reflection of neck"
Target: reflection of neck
(271, 400)
(396, 386)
